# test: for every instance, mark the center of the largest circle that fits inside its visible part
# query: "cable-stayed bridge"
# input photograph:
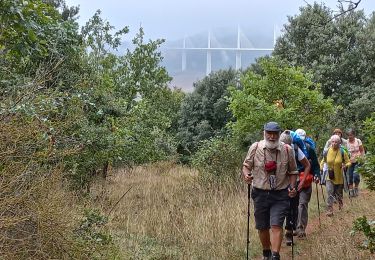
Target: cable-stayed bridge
(243, 45)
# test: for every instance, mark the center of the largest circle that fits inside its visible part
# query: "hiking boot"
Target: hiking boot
(329, 212)
(356, 192)
(288, 238)
(351, 193)
(275, 256)
(267, 254)
(301, 234)
(341, 205)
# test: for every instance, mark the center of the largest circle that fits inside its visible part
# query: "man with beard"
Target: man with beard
(271, 168)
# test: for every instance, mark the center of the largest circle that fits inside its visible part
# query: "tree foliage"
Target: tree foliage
(204, 112)
(90, 100)
(281, 93)
(69, 108)
(338, 50)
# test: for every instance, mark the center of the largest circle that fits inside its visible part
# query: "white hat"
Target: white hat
(301, 133)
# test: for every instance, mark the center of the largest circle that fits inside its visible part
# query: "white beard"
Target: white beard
(271, 144)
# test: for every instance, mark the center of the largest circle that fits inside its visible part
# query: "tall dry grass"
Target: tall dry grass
(169, 214)
(38, 217)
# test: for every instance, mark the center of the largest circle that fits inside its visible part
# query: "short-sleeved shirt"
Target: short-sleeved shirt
(284, 157)
(300, 154)
(354, 148)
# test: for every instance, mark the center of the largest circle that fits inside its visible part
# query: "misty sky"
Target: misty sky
(173, 19)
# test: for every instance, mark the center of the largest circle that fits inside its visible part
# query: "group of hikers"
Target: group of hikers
(280, 171)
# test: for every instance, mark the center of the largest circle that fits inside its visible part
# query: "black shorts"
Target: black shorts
(270, 207)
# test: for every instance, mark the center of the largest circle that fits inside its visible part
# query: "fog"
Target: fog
(192, 20)
(173, 19)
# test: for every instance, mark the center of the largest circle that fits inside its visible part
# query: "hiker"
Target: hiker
(356, 150)
(344, 142)
(305, 193)
(270, 167)
(302, 163)
(297, 141)
(306, 139)
(337, 160)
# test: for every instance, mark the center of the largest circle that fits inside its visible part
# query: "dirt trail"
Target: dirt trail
(301, 249)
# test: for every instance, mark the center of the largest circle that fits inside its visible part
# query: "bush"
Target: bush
(38, 218)
(367, 168)
(368, 229)
(218, 160)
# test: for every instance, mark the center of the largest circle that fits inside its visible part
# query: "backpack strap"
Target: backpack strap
(325, 155)
(255, 152)
(295, 147)
(287, 153)
(342, 153)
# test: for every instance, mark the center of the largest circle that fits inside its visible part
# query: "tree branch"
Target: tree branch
(351, 6)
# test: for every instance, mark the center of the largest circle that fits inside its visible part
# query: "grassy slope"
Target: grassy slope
(168, 214)
(333, 240)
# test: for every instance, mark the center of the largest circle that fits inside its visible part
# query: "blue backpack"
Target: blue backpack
(296, 139)
(310, 142)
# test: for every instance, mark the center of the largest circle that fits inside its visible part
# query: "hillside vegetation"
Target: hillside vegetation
(100, 159)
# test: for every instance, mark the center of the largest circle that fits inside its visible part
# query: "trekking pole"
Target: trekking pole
(317, 197)
(347, 184)
(248, 222)
(321, 186)
(292, 225)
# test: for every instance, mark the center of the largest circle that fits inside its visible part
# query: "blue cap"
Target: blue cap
(272, 127)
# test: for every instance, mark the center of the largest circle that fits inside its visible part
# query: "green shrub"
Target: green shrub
(368, 229)
(367, 167)
(367, 170)
(218, 160)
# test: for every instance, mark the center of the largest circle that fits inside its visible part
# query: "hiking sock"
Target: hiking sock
(275, 256)
(267, 252)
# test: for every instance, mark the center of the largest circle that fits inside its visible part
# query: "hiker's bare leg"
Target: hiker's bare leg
(276, 238)
(264, 236)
